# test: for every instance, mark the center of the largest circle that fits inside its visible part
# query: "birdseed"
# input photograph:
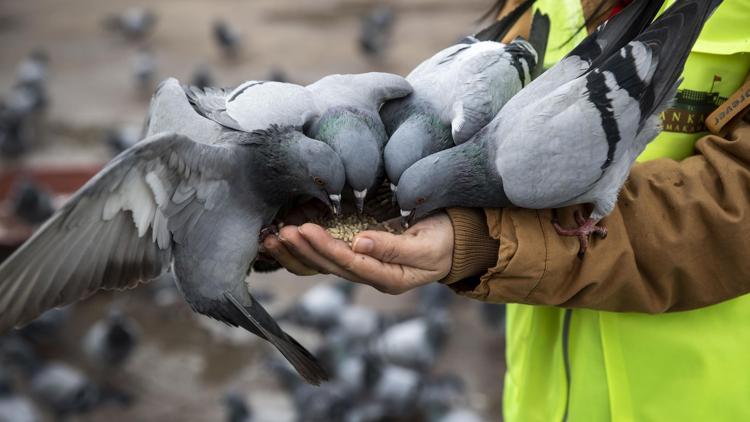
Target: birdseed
(348, 226)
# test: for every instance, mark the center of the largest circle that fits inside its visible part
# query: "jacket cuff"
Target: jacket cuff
(474, 250)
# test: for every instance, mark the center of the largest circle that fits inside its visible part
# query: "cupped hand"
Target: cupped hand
(391, 263)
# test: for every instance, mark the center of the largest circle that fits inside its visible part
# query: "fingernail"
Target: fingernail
(299, 229)
(363, 245)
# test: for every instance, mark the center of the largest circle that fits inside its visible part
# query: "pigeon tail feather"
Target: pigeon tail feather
(249, 317)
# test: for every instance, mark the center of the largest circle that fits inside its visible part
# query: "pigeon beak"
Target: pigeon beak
(359, 199)
(335, 204)
(406, 218)
(394, 189)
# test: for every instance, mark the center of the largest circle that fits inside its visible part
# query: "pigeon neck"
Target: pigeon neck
(416, 138)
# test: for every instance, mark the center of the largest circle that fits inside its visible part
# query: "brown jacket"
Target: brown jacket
(678, 239)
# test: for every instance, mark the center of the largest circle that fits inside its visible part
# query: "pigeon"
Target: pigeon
(30, 202)
(435, 296)
(227, 38)
(456, 92)
(571, 136)
(237, 408)
(321, 306)
(14, 407)
(350, 124)
(256, 105)
(375, 31)
(111, 341)
(47, 329)
(193, 199)
(33, 70)
(439, 394)
(357, 324)
(397, 388)
(64, 389)
(15, 136)
(133, 24)
(414, 343)
(460, 415)
(144, 69)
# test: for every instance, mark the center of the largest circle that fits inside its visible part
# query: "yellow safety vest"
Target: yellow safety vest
(584, 365)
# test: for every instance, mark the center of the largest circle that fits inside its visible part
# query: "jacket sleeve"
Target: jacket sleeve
(678, 239)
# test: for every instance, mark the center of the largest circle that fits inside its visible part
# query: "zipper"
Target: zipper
(566, 358)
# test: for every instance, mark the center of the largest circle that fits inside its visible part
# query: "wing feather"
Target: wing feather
(116, 231)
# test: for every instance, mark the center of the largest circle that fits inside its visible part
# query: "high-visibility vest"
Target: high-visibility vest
(585, 365)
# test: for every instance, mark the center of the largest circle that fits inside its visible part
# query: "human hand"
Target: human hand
(391, 263)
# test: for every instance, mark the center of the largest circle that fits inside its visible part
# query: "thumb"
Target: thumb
(387, 247)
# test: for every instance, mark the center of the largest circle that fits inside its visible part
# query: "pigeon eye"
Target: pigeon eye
(420, 200)
(318, 181)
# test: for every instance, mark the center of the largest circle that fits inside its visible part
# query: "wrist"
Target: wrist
(474, 250)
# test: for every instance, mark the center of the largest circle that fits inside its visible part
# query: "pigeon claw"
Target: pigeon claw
(586, 228)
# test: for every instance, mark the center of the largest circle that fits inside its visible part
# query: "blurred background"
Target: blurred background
(75, 82)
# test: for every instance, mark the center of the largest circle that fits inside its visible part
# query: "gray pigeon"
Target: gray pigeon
(111, 341)
(237, 408)
(195, 200)
(65, 389)
(133, 24)
(256, 105)
(375, 31)
(415, 343)
(456, 92)
(15, 407)
(144, 70)
(321, 306)
(227, 38)
(572, 135)
(350, 124)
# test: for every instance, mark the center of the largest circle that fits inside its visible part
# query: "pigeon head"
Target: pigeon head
(417, 137)
(454, 177)
(320, 172)
(357, 141)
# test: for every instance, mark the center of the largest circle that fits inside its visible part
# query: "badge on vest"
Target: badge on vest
(690, 109)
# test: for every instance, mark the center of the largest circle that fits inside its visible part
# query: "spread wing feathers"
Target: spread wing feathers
(498, 30)
(116, 231)
(256, 320)
(488, 80)
(211, 103)
(257, 105)
(170, 111)
(538, 38)
(367, 90)
(613, 34)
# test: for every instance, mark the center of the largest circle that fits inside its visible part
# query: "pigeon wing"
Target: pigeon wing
(117, 230)
(488, 80)
(211, 103)
(172, 111)
(365, 90)
(257, 105)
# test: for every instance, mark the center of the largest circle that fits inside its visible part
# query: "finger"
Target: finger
(281, 254)
(299, 247)
(386, 277)
(403, 249)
